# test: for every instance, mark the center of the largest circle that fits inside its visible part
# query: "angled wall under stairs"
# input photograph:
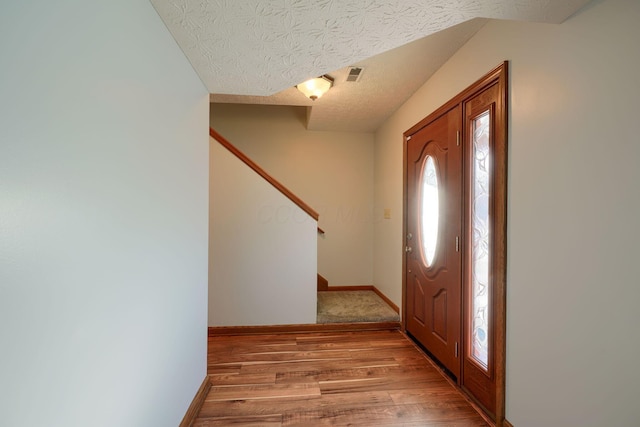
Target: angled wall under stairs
(262, 249)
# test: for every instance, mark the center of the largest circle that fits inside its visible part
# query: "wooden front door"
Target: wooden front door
(455, 225)
(434, 221)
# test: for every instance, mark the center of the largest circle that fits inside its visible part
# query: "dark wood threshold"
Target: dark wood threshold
(196, 404)
(443, 372)
(366, 288)
(253, 165)
(293, 329)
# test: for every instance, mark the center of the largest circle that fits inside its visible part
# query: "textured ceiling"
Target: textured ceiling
(261, 48)
(387, 80)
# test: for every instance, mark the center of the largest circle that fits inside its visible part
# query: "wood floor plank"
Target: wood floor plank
(251, 421)
(242, 378)
(306, 345)
(320, 375)
(387, 374)
(317, 365)
(238, 408)
(443, 394)
(230, 369)
(262, 391)
(281, 356)
(347, 336)
(373, 384)
(366, 378)
(391, 415)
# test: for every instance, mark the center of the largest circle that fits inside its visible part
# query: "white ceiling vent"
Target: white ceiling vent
(354, 74)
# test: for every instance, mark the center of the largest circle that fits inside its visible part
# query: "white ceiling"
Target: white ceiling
(255, 51)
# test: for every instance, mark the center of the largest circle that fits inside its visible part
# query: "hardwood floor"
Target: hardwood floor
(369, 378)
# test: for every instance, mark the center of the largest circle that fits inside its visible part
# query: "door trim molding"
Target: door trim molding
(498, 75)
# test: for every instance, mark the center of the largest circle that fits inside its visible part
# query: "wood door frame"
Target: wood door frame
(499, 76)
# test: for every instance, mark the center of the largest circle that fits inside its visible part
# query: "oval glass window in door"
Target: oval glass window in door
(429, 211)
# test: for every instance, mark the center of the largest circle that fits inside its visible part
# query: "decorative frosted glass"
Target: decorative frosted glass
(480, 239)
(429, 211)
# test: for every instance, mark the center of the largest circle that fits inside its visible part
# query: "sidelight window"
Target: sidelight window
(480, 244)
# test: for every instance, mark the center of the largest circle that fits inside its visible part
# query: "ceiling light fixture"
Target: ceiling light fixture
(315, 88)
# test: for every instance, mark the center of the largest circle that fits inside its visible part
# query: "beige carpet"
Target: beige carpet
(353, 306)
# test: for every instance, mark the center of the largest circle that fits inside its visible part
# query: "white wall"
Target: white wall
(103, 217)
(573, 340)
(330, 171)
(263, 250)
